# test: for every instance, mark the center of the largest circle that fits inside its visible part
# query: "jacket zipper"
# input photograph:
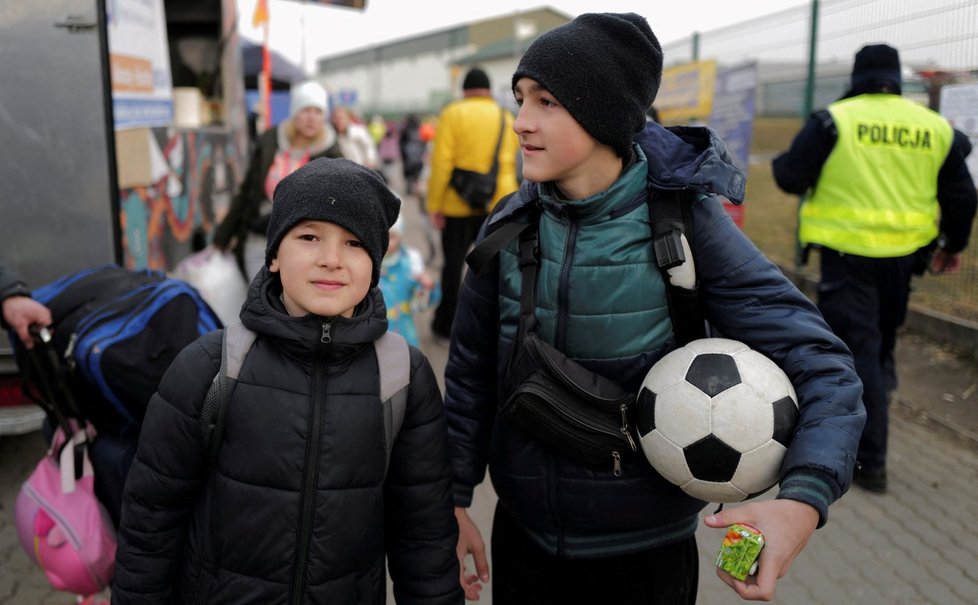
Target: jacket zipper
(317, 410)
(563, 287)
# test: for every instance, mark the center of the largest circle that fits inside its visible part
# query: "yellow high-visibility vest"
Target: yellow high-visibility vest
(877, 192)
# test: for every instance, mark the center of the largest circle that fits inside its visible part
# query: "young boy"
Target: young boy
(564, 531)
(297, 507)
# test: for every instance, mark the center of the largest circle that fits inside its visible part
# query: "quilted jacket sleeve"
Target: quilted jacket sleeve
(747, 298)
(167, 473)
(471, 381)
(421, 532)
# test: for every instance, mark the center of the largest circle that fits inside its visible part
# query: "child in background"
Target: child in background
(407, 286)
(297, 506)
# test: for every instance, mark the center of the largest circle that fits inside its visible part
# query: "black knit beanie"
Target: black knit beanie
(876, 64)
(605, 68)
(476, 78)
(341, 192)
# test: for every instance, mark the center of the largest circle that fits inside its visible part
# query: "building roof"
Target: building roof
(483, 33)
(507, 47)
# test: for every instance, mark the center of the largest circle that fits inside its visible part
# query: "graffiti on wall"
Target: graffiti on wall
(160, 222)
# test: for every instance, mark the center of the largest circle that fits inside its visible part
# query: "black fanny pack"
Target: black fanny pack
(570, 409)
(475, 188)
(555, 399)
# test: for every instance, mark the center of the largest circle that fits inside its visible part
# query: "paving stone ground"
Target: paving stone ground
(915, 545)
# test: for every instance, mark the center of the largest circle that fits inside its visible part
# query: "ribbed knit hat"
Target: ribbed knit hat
(341, 192)
(476, 78)
(605, 68)
(876, 64)
(308, 94)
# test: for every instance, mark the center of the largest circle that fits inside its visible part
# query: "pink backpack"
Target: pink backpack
(61, 524)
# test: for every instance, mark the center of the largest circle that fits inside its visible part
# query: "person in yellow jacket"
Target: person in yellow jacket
(887, 184)
(468, 130)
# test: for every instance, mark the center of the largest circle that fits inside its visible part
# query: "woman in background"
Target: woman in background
(304, 136)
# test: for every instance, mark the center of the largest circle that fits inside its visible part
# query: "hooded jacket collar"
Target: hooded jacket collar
(691, 157)
(303, 337)
(629, 186)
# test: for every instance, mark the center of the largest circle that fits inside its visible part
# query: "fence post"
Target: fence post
(801, 253)
(812, 59)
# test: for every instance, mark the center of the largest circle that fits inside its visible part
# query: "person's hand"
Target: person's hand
(470, 542)
(786, 524)
(426, 280)
(944, 262)
(437, 220)
(21, 312)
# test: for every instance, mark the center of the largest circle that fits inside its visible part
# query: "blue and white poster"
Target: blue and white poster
(139, 59)
(733, 110)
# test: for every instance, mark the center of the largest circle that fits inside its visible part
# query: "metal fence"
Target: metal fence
(938, 44)
(937, 33)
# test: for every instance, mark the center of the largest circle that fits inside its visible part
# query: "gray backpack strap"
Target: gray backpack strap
(235, 344)
(394, 363)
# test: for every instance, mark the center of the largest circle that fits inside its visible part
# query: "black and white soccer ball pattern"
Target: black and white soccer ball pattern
(715, 418)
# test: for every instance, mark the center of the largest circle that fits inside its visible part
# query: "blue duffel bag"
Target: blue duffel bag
(117, 331)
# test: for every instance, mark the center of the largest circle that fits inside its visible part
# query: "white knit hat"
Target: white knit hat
(308, 94)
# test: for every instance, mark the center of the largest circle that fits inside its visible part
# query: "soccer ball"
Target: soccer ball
(715, 418)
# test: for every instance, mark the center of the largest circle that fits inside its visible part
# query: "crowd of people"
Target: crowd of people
(301, 505)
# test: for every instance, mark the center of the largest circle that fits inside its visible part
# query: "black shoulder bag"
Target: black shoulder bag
(552, 397)
(477, 188)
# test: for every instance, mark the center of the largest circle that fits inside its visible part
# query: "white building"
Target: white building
(421, 74)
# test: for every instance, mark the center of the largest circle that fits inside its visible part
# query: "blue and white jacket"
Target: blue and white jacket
(601, 300)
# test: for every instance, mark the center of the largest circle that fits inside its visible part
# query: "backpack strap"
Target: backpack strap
(235, 344)
(672, 219)
(394, 364)
(486, 251)
(498, 233)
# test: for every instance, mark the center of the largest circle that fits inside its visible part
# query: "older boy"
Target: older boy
(564, 531)
(297, 507)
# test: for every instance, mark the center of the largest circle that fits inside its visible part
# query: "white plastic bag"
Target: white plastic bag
(217, 277)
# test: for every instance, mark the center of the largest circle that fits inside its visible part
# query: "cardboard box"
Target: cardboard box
(134, 165)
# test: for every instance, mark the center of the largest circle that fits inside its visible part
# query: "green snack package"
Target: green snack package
(739, 551)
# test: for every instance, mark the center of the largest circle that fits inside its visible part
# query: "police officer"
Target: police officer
(887, 179)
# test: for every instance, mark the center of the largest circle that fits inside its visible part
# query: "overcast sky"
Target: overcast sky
(330, 30)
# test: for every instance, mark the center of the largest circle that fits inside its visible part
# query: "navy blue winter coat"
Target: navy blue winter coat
(575, 511)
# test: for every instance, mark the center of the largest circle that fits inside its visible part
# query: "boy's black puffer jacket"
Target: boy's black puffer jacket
(297, 508)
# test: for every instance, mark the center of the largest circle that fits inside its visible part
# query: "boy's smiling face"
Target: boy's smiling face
(555, 146)
(324, 268)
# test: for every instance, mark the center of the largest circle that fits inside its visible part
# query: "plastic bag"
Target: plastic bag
(215, 274)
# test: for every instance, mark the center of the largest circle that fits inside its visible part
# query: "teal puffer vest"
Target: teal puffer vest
(589, 254)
